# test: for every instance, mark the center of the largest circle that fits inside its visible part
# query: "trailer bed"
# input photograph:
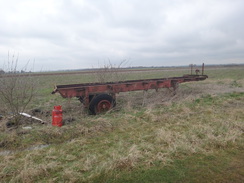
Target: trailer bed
(80, 90)
(91, 94)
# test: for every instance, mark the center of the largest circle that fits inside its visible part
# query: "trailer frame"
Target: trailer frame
(101, 97)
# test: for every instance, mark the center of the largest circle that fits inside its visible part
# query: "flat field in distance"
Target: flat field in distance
(193, 136)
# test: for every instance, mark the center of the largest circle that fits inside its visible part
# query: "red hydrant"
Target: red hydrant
(57, 116)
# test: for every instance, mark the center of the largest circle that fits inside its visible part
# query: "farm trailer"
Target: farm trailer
(101, 97)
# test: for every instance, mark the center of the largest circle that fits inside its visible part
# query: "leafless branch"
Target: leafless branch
(16, 90)
(110, 73)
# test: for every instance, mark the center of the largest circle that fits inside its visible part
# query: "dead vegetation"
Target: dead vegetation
(110, 73)
(16, 92)
(144, 130)
(124, 141)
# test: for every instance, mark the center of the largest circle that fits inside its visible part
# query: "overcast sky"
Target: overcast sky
(73, 34)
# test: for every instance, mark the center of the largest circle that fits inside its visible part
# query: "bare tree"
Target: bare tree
(110, 73)
(16, 89)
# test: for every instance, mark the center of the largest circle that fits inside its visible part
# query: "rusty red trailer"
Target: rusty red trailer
(100, 97)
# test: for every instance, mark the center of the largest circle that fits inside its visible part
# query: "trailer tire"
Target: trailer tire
(101, 104)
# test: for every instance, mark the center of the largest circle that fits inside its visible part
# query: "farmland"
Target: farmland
(193, 136)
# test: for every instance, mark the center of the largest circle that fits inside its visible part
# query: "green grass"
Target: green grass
(235, 73)
(132, 144)
(222, 166)
(193, 136)
(232, 76)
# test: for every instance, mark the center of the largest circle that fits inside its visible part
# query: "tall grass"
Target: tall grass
(127, 140)
(144, 130)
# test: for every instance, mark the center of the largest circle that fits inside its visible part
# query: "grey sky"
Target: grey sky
(72, 34)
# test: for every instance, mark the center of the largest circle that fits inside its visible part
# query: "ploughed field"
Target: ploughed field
(195, 135)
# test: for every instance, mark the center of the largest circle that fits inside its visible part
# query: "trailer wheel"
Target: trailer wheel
(101, 104)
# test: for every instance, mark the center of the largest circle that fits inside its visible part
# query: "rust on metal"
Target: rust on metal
(86, 92)
(86, 89)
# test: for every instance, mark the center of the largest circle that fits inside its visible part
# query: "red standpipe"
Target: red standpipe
(57, 116)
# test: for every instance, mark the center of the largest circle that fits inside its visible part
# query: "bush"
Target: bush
(16, 89)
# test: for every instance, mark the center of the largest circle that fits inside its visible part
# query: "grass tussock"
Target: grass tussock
(146, 130)
(118, 142)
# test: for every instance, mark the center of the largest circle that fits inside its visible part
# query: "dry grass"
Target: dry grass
(142, 131)
(186, 92)
(125, 141)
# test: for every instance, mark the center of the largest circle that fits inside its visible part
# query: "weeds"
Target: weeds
(16, 91)
(235, 84)
(202, 118)
(121, 142)
(110, 73)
